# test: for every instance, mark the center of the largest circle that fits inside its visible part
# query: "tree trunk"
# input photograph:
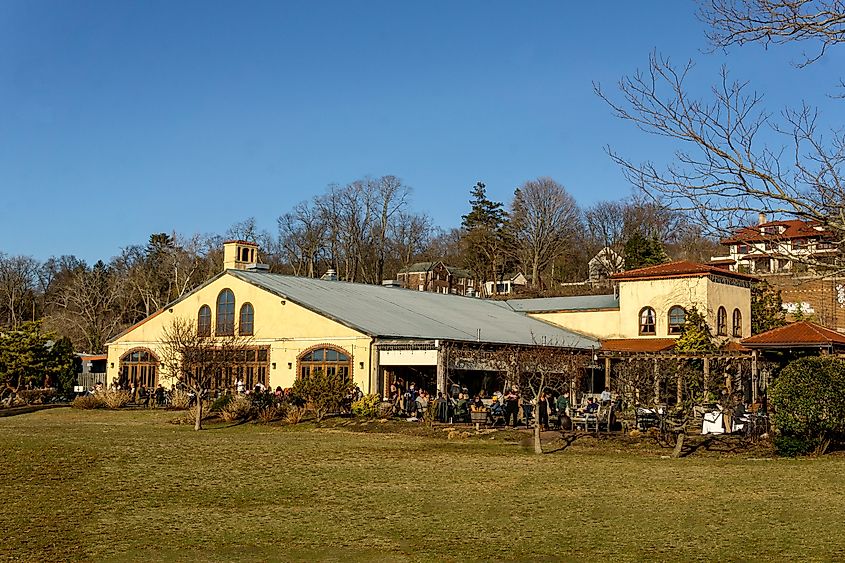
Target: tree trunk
(198, 421)
(538, 447)
(679, 445)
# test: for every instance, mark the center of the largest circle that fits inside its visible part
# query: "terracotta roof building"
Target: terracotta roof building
(777, 246)
(801, 334)
(650, 306)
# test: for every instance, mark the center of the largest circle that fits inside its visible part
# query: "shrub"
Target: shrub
(294, 414)
(792, 446)
(239, 408)
(322, 393)
(86, 402)
(115, 399)
(270, 413)
(262, 399)
(220, 403)
(36, 396)
(809, 402)
(180, 399)
(191, 413)
(368, 406)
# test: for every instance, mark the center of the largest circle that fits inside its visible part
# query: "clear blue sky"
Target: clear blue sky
(120, 119)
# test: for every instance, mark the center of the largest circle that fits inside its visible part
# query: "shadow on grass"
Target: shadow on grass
(225, 426)
(566, 441)
(716, 443)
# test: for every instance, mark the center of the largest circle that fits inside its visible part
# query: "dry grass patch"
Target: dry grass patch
(255, 492)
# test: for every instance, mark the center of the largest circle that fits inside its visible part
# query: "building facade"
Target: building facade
(291, 326)
(436, 277)
(652, 303)
(772, 247)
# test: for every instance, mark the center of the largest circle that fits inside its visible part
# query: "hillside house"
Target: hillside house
(436, 277)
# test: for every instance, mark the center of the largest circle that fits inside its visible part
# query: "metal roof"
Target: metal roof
(402, 313)
(574, 303)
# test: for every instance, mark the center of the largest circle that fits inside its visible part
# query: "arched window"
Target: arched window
(737, 324)
(647, 321)
(246, 324)
(225, 313)
(138, 367)
(677, 318)
(330, 359)
(722, 322)
(204, 321)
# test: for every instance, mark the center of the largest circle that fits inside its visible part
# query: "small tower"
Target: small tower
(239, 254)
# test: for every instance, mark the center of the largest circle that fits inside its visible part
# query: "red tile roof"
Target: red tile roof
(93, 357)
(793, 228)
(796, 335)
(638, 344)
(678, 269)
(722, 263)
(733, 346)
(243, 242)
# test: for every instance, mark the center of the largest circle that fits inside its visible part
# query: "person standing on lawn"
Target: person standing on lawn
(511, 406)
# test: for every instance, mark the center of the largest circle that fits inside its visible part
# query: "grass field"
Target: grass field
(132, 486)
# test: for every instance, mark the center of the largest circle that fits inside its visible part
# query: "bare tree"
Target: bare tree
(18, 283)
(722, 175)
(544, 217)
(605, 222)
(735, 158)
(410, 235)
(244, 230)
(542, 369)
(737, 22)
(88, 307)
(303, 238)
(200, 363)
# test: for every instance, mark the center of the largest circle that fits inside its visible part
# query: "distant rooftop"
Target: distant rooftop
(791, 228)
(678, 269)
(801, 334)
(574, 303)
(399, 313)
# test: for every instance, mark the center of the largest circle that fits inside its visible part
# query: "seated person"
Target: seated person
(461, 407)
(477, 404)
(592, 406)
(421, 404)
(496, 407)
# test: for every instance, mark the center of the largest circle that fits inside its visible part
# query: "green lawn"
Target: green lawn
(132, 486)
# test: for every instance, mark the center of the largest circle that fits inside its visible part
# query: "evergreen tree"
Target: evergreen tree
(29, 357)
(641, 251)
(695, 334)
(766, 308)
(486, 236)
(60, 366)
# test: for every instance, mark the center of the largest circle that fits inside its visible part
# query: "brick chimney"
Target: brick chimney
(239, 254)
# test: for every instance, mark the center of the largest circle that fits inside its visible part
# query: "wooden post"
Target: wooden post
(374, 378)
(656, 384)
(679, 377)
(706, 381)
(754, 377)
(607, 372)
(387, 381)
(441, 368)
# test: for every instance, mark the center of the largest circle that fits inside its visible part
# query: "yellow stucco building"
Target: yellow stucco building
(374, 334)
(650, 305)
(293, 325)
